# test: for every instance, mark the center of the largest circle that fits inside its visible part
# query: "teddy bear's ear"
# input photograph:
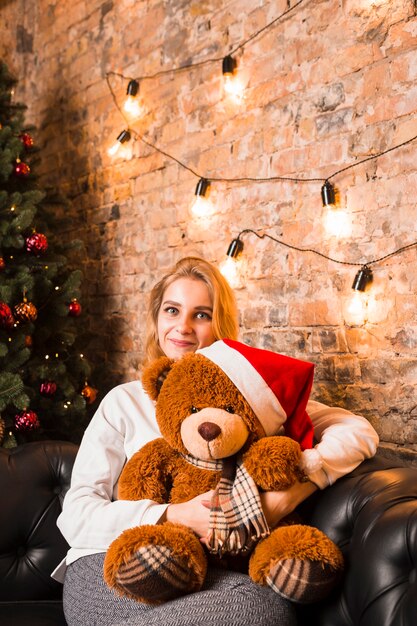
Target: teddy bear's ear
(153, 375)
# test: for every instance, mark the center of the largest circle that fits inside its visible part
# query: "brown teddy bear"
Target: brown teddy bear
(233, 420)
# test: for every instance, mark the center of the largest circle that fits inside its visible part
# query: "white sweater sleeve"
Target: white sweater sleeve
(344, 441)
(91, 517)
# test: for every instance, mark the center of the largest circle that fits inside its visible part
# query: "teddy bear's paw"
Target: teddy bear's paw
(299, 562)
(301, 581)
(154, 564)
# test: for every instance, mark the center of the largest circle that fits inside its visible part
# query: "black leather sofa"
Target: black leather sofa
(371, 514)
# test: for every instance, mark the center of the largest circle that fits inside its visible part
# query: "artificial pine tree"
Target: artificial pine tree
(45, 390)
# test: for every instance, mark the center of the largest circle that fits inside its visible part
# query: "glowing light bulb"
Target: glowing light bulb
(356, 309)
(201, 206)
(231, 266)
(132, 105)
(231, 84)
(122, 138)
(337, 222)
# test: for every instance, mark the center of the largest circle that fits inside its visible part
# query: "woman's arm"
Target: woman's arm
(91, 516)
(344, 441)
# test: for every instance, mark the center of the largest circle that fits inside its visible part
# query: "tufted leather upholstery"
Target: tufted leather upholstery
(371, 514)
(33, 481)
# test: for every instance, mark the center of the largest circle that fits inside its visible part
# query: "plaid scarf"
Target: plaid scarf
(237, 521)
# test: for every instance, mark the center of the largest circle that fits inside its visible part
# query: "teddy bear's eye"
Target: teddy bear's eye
(229, 409)
(194, 409)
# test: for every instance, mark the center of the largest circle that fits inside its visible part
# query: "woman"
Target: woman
(190, 308)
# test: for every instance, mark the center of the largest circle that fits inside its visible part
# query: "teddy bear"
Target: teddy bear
(233, 422)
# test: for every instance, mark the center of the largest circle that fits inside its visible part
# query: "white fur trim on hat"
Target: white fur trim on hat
(250, 383)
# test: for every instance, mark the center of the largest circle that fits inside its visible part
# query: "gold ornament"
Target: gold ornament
(89, 393)
(26, 311)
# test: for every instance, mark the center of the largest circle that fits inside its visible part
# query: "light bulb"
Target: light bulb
(132, 104)
(231, 266)
(337, 222)
(122, 138)
(201, 206)
(328, 194)
(355, 313)
(230, 270)
(231, 83)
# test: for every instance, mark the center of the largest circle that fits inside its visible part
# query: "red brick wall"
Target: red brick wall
(331, 84)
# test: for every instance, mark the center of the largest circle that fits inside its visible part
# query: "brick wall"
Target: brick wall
(330, 85)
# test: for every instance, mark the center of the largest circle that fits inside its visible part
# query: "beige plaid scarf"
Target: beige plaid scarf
(237, 521)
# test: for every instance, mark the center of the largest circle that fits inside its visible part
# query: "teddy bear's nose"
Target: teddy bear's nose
(209, 431)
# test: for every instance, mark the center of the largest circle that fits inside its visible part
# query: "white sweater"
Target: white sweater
(93, 517)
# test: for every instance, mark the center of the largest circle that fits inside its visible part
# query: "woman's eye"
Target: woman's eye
(194, 409)
(203, 316)
(229, 409)
(171, 310)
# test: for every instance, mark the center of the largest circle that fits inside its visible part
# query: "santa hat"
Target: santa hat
(277, 387)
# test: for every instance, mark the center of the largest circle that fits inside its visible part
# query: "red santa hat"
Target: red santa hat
(277, 387)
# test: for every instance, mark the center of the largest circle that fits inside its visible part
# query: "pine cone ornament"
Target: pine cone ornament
(26, 421)
(74, 308)
(26, 311)
(21, 169)
(48, 388)
(6, 316)
(89, 393)
(37, 243)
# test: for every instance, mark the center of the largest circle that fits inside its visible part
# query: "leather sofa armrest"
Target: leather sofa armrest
(372, 515)
(33, 481)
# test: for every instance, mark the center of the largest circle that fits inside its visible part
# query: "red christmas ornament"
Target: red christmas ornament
(21, 169)
(26, 420)
(74, 308)
(26, 140)
(89, 393)
(2, 264)
(48, 388)
(6, 316)
(37, 243)
(28, 341)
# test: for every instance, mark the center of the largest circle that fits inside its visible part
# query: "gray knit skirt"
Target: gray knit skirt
(227, 599)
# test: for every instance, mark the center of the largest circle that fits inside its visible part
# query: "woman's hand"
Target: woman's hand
(278, 504)
(195, 513)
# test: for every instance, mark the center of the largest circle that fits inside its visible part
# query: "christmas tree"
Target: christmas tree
(45, 379)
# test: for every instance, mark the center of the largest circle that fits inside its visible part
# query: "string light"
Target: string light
(132, 106)
(337, 221)
(356, 307)
(201, 206)
(122, 138)
(231, 83)
(229, 267)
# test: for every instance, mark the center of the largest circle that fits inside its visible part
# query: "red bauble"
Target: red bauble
(48, 388)
(74, 308)
(89, 393)
(37, 243)
(26, 140)
(26, 420)
(6, 316)
(21, 169)
(2, 264)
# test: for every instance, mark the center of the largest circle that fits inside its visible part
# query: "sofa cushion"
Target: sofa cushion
(33, 481)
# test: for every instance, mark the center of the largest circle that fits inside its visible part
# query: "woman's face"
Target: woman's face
(185, 318)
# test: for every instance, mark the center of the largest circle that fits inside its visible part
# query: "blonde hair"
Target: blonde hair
(225, 316)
